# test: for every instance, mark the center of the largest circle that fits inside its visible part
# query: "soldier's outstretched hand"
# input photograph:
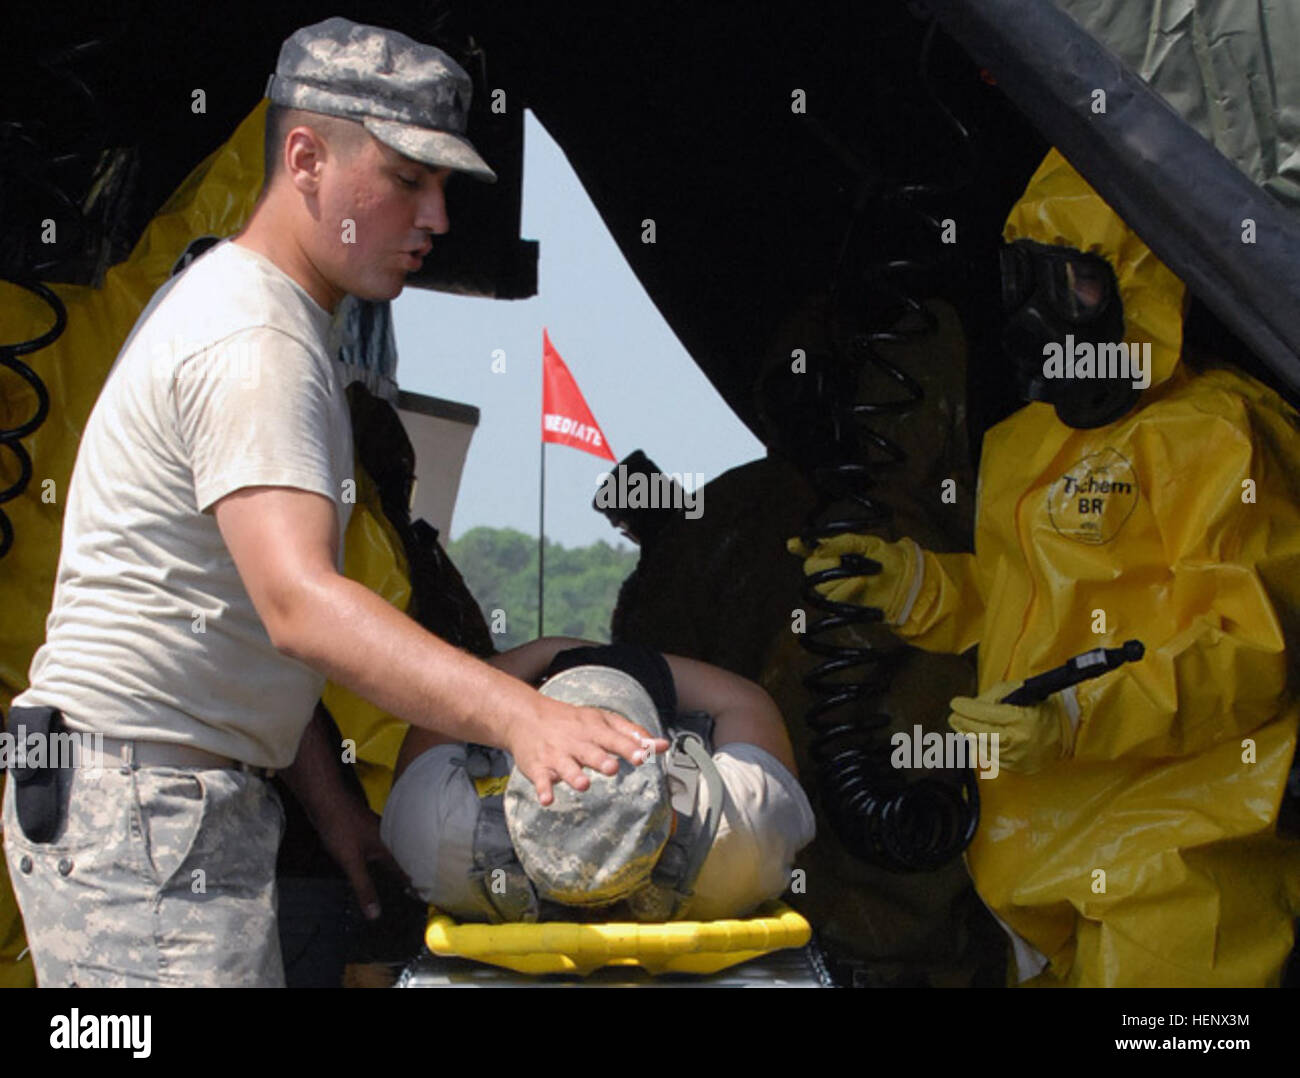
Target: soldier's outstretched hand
(563, 739)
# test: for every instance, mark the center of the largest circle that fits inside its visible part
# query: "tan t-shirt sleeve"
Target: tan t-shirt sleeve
(256, 409)
(766, 821)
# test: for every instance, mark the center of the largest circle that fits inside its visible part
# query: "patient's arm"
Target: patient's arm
(741, 710)
(527, 662)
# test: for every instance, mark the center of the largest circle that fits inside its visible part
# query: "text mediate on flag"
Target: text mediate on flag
(566, 419)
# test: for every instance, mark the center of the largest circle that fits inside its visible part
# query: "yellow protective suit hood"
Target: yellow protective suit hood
(1060, 209)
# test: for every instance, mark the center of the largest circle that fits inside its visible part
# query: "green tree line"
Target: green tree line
(500, 568)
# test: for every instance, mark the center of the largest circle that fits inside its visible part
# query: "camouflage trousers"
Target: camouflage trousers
(157, 876)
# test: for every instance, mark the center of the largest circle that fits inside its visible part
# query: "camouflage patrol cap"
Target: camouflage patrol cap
(412, 97)
(596, 846)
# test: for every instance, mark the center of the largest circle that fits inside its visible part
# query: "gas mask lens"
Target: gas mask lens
(1072, 287)
(1080, 287)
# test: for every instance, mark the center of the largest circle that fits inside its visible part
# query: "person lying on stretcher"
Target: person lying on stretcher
(708, 830)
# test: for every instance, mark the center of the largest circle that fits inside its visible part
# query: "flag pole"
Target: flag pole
(571, 424)
(541, 536)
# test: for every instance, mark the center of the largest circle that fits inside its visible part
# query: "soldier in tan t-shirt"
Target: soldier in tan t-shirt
(208, 491)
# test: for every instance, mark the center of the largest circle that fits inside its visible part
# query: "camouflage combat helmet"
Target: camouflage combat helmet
(596, 846)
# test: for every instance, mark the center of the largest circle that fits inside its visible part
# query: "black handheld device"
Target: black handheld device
(1083, 667)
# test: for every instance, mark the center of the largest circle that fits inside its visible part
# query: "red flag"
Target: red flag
(566, 419)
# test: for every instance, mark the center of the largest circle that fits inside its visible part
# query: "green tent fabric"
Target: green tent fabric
(1229, 68)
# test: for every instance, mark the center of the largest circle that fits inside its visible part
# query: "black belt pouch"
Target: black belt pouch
(36, 789)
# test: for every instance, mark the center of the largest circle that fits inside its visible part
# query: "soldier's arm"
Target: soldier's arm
(741, 709)
(527, 662)
(284, 542)
(348, 830)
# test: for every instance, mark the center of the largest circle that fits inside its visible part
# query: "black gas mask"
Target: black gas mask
(1050, 293)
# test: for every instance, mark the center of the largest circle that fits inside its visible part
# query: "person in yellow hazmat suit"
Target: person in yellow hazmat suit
(1130, 838)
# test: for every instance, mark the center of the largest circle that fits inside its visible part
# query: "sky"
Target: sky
(643, 388)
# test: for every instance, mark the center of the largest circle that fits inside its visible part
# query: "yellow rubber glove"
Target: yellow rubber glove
(1028, 738)
(891, 590)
